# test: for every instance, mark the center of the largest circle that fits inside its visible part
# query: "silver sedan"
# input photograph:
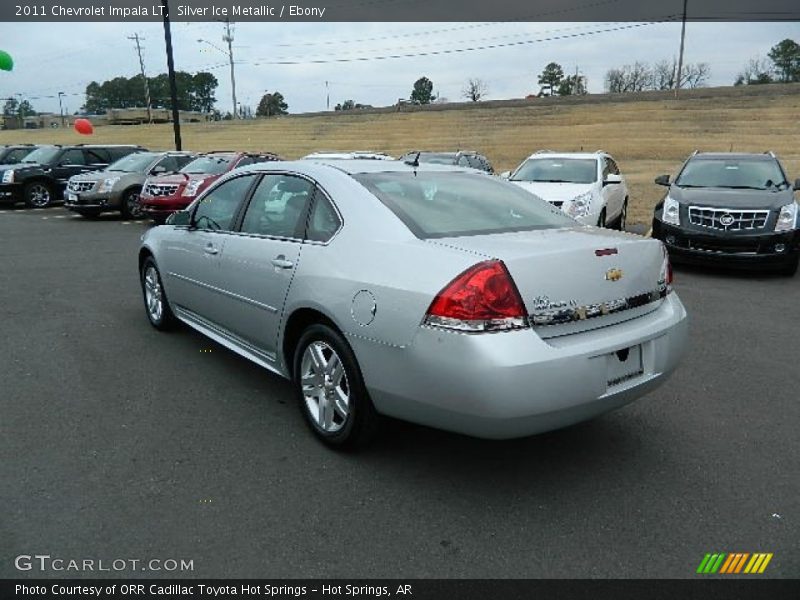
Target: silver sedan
(427, 293)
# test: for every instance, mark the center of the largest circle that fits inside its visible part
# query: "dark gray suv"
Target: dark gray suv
(733, 209)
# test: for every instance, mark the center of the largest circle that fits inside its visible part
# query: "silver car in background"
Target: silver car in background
(117, 187)
(431, 294)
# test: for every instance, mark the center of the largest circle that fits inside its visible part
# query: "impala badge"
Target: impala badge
(614, 274)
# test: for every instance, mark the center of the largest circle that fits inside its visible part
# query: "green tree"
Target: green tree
(572, 85)
(11, 107)
(25, 109)
(785, 55)
(346, 105)
(551, 76)
(271, 105)
(195, 92)
(423, 91)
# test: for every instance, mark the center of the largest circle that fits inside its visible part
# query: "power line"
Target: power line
(460, 50)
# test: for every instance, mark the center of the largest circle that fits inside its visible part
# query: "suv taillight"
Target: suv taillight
(482, 298)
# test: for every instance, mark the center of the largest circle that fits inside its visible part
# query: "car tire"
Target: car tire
(38, 194)
(156, 304)
(601, 220)
(331, 391)
(129, 205)
(623, 216)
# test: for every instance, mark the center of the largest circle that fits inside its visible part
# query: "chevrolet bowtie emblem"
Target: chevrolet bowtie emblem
(614, 274)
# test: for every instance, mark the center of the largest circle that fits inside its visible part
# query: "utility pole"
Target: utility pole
(61, 108)
(328, 96)
(173, 87)
(680, 56)
(228, 37)
(135, 37)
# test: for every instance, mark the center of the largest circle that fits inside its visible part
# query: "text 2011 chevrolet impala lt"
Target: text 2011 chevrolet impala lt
(431, 294)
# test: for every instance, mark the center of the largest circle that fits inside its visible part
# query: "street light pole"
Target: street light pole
(61, 108)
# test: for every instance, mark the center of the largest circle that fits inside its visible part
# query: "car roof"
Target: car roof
(733, 155)
(548, 154)
(355, 166)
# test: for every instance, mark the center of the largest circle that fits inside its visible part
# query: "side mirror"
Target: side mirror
(796, 184)
(182, 218)
(662, 180)
(612, 179)
(158, 170)
(505, 174)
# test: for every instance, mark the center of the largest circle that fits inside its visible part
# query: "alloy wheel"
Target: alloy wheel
(39, 195)
(153, 294)
(325, 388)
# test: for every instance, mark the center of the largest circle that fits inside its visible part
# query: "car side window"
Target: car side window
(72, 157)
(323, 222)
(246, 160)
(604, 166)
(169, 164)
(93, 157)
(217, 209)
(278, 206)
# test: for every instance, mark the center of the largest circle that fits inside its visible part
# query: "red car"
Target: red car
(165, 194)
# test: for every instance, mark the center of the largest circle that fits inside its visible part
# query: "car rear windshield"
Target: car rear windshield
(434, 205)
(557, 170)
(42, 155)
(436, 158)
(734, 173)
(211, 164)
(133, 163)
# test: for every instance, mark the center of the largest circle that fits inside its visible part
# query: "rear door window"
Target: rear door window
(278, 206)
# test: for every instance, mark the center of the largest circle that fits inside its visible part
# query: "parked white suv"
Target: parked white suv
(585, 185)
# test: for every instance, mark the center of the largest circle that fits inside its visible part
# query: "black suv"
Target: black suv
(41, 177)
(731, 208)
(14, 153)
(462, 158)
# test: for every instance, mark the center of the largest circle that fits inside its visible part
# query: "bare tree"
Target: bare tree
(757, 70)
(475, 89)
(692, 75)
(664, 74)
(615, 81)
(695, 75)
(630, 78)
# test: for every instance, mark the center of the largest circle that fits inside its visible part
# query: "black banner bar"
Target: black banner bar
(714, 588)
(399, 11)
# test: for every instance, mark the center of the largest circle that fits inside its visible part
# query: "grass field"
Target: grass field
(647, 137)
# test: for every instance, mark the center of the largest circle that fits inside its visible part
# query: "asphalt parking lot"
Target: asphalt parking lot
(117, 441)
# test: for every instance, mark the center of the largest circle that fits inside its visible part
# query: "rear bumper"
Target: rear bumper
(762, 249)
(514, 384)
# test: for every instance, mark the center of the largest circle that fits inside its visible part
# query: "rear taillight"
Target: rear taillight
(482, 298)
(665, 280)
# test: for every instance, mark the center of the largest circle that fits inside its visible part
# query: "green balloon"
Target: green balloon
(6, 62)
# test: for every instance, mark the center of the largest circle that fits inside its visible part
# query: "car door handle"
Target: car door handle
(282, 263)
(211, 249)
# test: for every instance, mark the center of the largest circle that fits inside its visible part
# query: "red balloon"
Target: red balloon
(84, 126)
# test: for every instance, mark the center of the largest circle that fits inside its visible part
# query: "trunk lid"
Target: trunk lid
(576, 279)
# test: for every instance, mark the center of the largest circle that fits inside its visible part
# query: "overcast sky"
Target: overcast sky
(55, 57)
